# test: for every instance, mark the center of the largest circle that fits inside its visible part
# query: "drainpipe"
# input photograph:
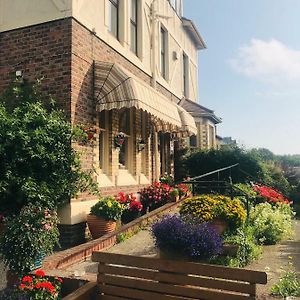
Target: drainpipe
(153, 43)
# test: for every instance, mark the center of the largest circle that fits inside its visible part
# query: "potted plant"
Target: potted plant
(27, 238)
(174, 194)
(155, 195)
(132, 208)
(103, 216)
(39, 286)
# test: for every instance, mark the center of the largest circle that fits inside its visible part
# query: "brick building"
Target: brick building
(119, 66)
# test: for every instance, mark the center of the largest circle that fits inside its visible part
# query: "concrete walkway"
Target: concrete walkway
(2, 276)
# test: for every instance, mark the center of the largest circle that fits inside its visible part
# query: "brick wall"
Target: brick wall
(39, 51)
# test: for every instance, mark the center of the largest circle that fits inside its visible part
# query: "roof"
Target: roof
(197, 110)
(193, 32)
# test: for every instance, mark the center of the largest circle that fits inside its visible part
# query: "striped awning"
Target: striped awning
(187, 121)
(116, 88)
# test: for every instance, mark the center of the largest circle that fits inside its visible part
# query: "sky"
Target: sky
(250, 72)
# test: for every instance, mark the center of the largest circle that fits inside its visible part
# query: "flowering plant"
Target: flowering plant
(271, 223)
(119, 139)
(29, 235)
(177, 235)
(206, 208)
(108, 208)
(167, 179)
(39, 287)
(183, 189)
(268, 194)
(155, 195)
(132, 207)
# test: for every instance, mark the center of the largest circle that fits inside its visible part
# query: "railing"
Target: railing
(219, 185)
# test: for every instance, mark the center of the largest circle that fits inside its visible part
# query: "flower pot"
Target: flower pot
(129, 216)
(12, 279)
(219, 225)
(230, 249)
(99, 226)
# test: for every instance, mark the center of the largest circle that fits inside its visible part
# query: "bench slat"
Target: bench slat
(167, 288)
(135, 294)
(178, 279)
(182, 267)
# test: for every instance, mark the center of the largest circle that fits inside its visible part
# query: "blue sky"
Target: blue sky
(250, 72)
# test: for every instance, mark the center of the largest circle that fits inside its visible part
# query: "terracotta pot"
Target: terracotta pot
(230, 249)
(99, 226)
(12, 279)
(219, 225)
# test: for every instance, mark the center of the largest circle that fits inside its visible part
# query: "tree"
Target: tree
(205, 161)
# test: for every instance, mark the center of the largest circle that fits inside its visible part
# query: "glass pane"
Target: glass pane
(133, 38)
(113, 19)
(133, 10)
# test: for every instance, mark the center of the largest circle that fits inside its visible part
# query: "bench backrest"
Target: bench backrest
(130, 277)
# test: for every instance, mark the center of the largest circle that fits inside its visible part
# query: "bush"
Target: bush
(271, 223)
(206, 208)
(196, 241)
(107, 208)
(37, 161)
(26, 237)
(155, 195)
(248, 249)
(288, 285)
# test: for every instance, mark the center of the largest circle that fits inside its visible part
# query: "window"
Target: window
(185, 69)
(103, 143)
(124, 126)
(163, 52)
(193, 141)
(114, 17)
(133, 26)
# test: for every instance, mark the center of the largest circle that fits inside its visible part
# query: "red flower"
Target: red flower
(27, 279)
(59, 279)
(40, 273)
(136, 206)
(22, 286)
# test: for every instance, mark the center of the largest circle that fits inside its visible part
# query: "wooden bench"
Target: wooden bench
(130, 277)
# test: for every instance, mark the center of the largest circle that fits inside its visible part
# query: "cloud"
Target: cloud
(268, 61)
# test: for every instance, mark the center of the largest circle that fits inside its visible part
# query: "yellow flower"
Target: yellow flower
(109, 204)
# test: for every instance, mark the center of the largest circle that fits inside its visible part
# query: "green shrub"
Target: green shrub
(108, 208)
(248, 249)
(37, 161)
(288, 285)
(271, 223)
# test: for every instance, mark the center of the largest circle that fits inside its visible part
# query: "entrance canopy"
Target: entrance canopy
(116, 88)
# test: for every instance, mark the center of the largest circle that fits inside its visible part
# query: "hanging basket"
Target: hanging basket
(99, 226)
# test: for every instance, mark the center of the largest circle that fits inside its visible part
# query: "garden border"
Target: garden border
(66, 258)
